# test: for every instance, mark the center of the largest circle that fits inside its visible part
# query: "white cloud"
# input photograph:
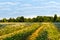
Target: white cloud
(38, 0)
(3, 8)
(26, 5)
(52, 3)
(9, 3)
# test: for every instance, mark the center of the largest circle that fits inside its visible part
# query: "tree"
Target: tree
(55, 17)
(39, 18)
(11, 20)
(20, 19)
(4, 20)
(58, 19)
(34, 20)
(29, 20)
(50, 19)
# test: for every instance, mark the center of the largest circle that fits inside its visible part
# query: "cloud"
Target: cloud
(26, 5)
(2, 8)
(52, 3)
(26, 8)
(38, 0)
(9, 3)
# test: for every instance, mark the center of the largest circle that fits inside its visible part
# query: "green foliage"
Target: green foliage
(11, 20)
(43, 36)
(55, 17)
(20, 19)
(34, 19)
(4, 20)
(20, 34)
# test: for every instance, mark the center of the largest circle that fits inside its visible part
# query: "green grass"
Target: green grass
(49, 32)
(21, 31)
(20, 34)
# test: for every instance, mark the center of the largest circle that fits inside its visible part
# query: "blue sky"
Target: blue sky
(29, 8)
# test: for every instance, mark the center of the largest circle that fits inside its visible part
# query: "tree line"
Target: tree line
(34, 19)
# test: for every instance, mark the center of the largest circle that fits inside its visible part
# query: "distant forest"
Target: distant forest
(34, 19)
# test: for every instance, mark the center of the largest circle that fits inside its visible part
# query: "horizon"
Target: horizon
(29, 8)
(28, 17)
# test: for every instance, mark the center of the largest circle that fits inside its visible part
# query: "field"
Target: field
(30, 31)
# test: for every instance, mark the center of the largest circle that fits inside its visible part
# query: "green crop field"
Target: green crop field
(30, 31)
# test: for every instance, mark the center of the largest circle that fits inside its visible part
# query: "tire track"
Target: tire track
(36, 33)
